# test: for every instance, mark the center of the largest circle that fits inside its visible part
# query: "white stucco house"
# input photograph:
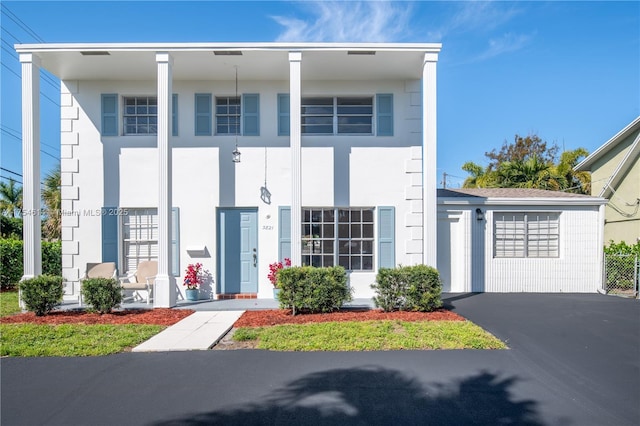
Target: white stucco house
(519, 240)
(337, 162)
(237, 155)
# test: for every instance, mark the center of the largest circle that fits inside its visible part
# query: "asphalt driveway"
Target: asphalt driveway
(574, 360)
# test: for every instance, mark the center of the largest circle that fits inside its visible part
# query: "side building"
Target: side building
(615, 175)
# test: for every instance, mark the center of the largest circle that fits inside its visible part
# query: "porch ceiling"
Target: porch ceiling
(267, 61)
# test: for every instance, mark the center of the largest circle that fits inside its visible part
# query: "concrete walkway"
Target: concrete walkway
(198, 331)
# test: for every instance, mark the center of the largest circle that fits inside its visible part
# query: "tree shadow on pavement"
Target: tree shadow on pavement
(377, 396)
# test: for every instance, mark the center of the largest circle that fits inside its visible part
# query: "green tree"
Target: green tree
(578, 182)
(521, 149)
(529, 162)
(10, 198)
(480, 177)
(52, 199)
(530, 173)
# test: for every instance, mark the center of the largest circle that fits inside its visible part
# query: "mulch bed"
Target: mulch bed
(164, 316)
(159, 316)
(284, 316)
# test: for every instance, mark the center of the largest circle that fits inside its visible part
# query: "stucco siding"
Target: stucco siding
(341, 171)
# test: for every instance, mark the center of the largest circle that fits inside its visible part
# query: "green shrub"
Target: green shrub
(41, 294)
(622, 248)
(52, 257)
(11, 255)
(408, 288)
(309, 289)
(11, 261)
(10, 227)
(620, 265)
(102, 294)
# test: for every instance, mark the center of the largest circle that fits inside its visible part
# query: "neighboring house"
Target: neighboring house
(337, 147)
(615, 175)
(519, 240)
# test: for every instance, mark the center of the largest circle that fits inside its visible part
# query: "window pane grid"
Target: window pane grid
(140, 115)
(354, 239)
(140, 235)
(343, 115)
(228, 115)
(533, 235)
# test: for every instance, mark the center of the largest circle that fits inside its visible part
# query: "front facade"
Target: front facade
(504, 240)
(336, 147)
(615, 175)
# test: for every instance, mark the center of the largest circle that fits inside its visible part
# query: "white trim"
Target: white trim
(471, 201)
(621, 135)
(615, 177)
(175, 47)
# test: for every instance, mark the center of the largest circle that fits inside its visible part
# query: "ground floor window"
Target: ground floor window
(518, 234)
(139, 237)
(338, 236)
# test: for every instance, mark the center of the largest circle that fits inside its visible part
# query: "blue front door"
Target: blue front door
(238, 250)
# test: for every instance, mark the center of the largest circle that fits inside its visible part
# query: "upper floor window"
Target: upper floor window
(337, 115)
(228, 115)
(140, 115)
(526, 234)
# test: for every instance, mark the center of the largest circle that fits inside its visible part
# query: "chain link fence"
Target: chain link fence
(621, 273)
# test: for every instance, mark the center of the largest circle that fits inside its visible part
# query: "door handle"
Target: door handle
(255, 258)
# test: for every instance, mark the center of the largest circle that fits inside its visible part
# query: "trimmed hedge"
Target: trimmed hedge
(102, 294)
(408, 288)
(11, 255)
(10, 227)
(310, 289)
(42, 293)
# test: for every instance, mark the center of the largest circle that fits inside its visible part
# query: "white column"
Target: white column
(165, 291)
(295, 93)
(31, 164)
(429, 178)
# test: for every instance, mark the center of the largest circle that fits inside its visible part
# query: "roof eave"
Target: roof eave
(205, 46)
(585, 165)
(495, 201)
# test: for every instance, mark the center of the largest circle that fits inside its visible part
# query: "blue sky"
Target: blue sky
(566, 71)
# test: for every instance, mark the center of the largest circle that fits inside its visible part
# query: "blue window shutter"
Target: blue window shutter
(251, 114)
(386, 237)
(284, 232)
(109, 107)
(174, 115)
(175, 241)
(384, 109)
(203, 114)
(109, 235)
(283, 114)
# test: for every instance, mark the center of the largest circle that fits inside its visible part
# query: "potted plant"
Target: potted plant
(274, 268)
(193, 277)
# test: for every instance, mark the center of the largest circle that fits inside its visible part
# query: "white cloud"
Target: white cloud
(509, 42)
(379, 21)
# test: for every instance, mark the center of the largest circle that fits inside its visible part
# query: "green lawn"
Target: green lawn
(71, 339)
(9, 303)
(67, 339)
(370, 336)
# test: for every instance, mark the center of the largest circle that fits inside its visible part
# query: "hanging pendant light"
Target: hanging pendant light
(235, 153)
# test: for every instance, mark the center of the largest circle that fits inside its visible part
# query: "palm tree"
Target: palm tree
(578, 182)
(530, 173)
(52, 199)
(480, 177)
(10, 198)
